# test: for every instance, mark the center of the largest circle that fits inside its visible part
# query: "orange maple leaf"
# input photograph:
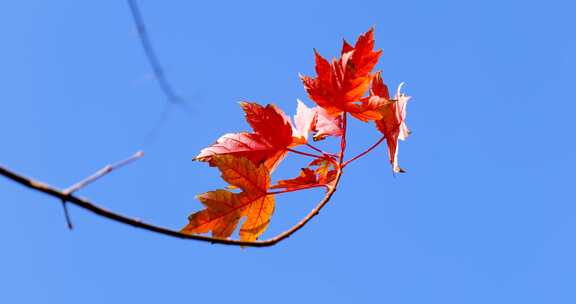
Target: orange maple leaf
(326, 169)
(306, 178)
(323, 175)
(224, 209)
(340, 85)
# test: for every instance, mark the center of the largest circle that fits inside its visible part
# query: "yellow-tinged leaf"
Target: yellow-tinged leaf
(258, 216)
(224, 209)
(221, 216)
(242, 173)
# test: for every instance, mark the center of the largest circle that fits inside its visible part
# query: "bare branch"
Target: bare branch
(166, 87)
(100, 173)
(67, 215)
(151, 56)
(92, 178)
(87, 205)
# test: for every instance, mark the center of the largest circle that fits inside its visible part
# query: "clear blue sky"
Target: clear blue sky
(485, 214)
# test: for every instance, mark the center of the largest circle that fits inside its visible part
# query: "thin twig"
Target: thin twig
(151, 56)
(314, 148)
(365, 152)
(86, 204)
(67, 215)
(100, 173)
(319, 150)
(157, 69)
(92, 178)
(151, 136)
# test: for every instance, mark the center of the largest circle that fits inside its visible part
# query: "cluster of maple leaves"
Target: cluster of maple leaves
(346, 85)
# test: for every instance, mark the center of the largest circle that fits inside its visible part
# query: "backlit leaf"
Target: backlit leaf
(250, 145)
(339, 86)
(272, 135)
(323, 174)
(392, 124)
(304, 122)
(224, 209)
(270, 122)
(327, 124)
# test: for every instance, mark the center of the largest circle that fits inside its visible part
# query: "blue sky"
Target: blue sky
(485, 214)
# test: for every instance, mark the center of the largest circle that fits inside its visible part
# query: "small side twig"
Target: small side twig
(166, 87)
(92, 178)
(100, 173)
(67, 215)
(151, 56)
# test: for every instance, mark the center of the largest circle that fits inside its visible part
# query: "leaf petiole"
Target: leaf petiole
(343, 141)
(304, 153)
(318, 150)
(365, 152)
(297, 189)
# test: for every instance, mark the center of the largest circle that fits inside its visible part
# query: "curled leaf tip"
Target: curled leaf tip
(398, 91)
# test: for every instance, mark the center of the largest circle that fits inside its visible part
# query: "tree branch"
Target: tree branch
(151, 56)
(92, 178)
(87, 205)
(166, 87)
(67, 215)
(100, 173)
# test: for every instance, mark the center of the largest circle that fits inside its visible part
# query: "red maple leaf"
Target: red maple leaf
(340, 85)
(267, 144)
(270, 122)
(393, 111)
(246, 159)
